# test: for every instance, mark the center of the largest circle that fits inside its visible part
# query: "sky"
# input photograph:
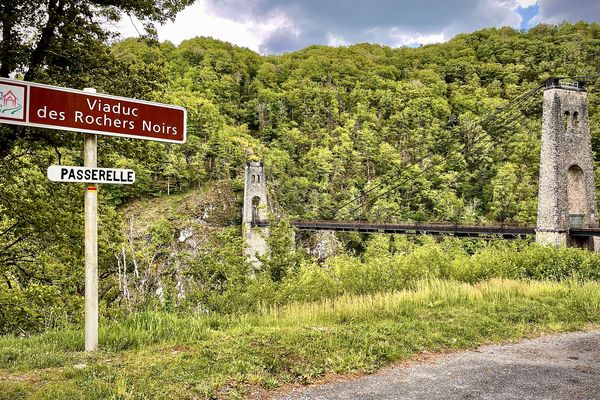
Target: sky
(279, 26)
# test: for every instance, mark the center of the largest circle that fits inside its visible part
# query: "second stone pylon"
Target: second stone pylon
(567, 190)
(255, 215)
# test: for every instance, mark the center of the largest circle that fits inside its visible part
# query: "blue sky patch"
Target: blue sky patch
(527, 14)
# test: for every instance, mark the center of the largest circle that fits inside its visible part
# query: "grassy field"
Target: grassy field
(158, 355)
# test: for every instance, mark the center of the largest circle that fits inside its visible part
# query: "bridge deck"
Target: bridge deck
(584, 232)
(503, 231)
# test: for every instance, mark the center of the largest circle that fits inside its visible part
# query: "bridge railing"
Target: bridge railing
(432, 228)
(417, 227)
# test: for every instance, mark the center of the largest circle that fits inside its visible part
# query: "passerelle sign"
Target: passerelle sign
(43, 106)
(65, 173)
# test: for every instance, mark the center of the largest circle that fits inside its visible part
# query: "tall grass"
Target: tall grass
(157, 327)
(428, 293)
(382, 269)
(386, 266)
(162, 355)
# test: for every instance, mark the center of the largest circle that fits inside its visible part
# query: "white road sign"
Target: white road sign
(64, 173)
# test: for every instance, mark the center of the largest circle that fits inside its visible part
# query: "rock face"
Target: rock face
(255, 212)
(324, 244)
(567, 197)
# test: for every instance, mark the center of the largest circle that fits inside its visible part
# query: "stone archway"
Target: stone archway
(255, 205)
(577, 205)
(576, 195)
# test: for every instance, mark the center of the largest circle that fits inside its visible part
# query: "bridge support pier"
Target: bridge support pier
(255, 213)
(555, 238)
(567, 190)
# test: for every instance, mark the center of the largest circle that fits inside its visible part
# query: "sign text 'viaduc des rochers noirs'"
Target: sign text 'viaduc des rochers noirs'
(32, 104)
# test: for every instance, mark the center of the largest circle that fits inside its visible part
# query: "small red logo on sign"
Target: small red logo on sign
(12, 101)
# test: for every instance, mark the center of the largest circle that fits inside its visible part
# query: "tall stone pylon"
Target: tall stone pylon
(567, 190)
(255, 212)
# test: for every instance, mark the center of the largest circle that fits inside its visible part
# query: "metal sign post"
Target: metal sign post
(90, 160)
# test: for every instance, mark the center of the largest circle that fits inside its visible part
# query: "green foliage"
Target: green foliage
(36, 308)
(403, 126)
(221, 272)
(281, 260)
(512, 198)
(389, 266)
(162, 355)
(331, 121)
(221, 282)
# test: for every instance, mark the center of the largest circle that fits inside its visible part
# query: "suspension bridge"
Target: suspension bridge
(567, 210)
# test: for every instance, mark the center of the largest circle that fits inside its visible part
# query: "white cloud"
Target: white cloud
(391, 22)
(407, 39)
(557, 11)
(333, 40)
(276, 26)
(196, 20)
(526, 3)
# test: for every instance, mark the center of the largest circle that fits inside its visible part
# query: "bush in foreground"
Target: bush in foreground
(391, 265)
(162, 355)
(221, 284)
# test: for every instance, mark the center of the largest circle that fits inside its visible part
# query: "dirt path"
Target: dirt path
(565, 366)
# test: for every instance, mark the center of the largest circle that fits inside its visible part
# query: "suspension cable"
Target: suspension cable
(501, 114)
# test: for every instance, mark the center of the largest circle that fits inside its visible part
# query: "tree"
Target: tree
(505, 193)
(66, 42)
(63, 42)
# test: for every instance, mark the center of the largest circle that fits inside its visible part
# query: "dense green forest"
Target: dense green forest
(332, 123)
(409, 126)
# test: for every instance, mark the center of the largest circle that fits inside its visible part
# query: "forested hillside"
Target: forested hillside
(330, 123)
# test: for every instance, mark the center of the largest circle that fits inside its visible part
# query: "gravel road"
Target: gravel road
(565, 366)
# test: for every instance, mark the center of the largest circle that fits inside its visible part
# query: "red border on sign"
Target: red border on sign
(27, 122)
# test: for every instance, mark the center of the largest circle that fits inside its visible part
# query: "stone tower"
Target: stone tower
(255, 213)
(567, 191)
